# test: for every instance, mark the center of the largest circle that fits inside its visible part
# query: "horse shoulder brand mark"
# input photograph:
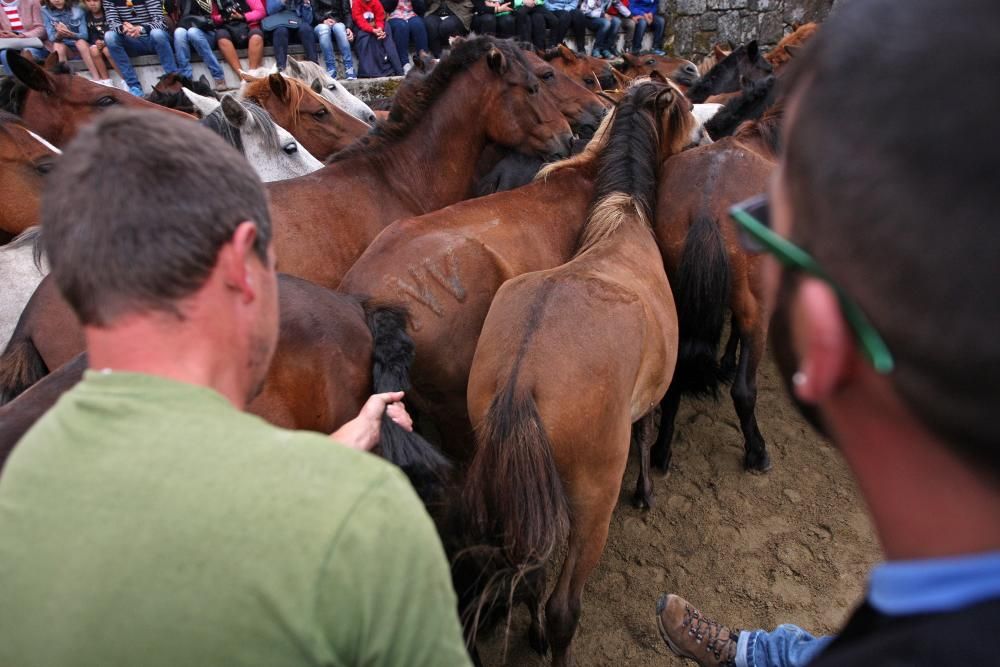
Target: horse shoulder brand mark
(444, 273)
(447, 278)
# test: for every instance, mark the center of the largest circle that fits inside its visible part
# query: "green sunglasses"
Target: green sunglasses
(753, 217)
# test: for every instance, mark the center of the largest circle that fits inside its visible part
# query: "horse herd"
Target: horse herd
(539, 330)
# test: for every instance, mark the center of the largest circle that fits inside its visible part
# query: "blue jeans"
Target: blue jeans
(403, 30)
(280, 37)
(604, 30)
(326, 34)
(36, 53)
(659, 25)
(787, 646)
(121, 47)
(183, 39)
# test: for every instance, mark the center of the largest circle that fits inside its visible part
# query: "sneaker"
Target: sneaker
(105, 82)
(406, 68)
(135, 90)
(659, 52)
(351, 76)
(596, 53)
(220, 85)
(690, 634)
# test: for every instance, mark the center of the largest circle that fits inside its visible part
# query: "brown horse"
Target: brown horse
(319, 125)
(25, 159)
(420, 160)
(594, 74)
(719, 52)
(713, 275)
(786, 49)
(333, 352)
(682, 72)
(446, 266)
(56, 103)
(745, 63)
(567, 360)
(581, 107)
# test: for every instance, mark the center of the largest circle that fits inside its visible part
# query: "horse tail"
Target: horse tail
(702, 305)
(20, 367)
(392, 355)
(513, 499)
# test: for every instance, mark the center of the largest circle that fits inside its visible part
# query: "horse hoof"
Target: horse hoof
(757, 466)
(642, 501)
(536, 639)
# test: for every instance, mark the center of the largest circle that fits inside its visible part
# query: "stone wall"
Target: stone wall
(695, 25)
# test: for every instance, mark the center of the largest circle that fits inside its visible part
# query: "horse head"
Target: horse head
(745, 62)
(594, 74)
(310, 73)
(680, 71)
(25, 160)
(581, 107)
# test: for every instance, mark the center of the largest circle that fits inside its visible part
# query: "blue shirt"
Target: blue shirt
(900, 588)
(562, 5)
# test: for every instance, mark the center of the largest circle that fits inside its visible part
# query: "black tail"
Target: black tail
(20, 367)
(702, 294)
(392, 355)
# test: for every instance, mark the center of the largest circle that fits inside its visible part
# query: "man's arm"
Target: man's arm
(385, 594)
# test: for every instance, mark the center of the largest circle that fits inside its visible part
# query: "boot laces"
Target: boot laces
(703, 628)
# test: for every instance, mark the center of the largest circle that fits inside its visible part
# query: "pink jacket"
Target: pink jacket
(31, 18)
(253, 17)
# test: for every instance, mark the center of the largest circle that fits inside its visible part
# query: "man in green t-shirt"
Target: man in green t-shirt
(147, 520)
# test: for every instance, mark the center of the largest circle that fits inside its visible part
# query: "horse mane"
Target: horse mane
(626, 170)
(583, 159)
(12, 94)
(31, 236)
(779, 55)
(260, 90)
(217, 122)
(551, 54)
(766, 129)
(705, 81)
(414, 102)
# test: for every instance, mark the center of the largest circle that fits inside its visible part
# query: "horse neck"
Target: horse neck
(449, 140)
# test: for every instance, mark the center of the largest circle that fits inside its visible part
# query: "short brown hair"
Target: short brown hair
(892, 180)
(137, 209)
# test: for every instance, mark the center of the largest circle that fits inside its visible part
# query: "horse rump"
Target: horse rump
(703, 284)
(20, 367)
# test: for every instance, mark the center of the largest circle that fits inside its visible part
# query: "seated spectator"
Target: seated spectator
(377, 54)
(147, 520)
(568, 15)
(533, 18)
(333, 22)
(644, 14)
(494, 17)
(96, 27)
(446, 19)
(66, 27)
(22, 18)
(137, 28)
(406, 23)
(195, 27)
(604, 25)
(238, 27)
(626, 26)
(280, 35)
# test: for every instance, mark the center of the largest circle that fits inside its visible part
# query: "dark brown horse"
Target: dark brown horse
(55, 103)
(744, 63)
(333, 352)
(319, 125)
(420, 160)
(25, 159)
(713, 276)
(594, 74)
(567, 360)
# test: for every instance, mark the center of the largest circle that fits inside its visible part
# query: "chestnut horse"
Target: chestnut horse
(567, 360)
(745, 63)
(333, 352)
(420, 160)
(446, 266)
(25, 159)
(55, 103)
(682, 72)
(788, 47)
(318, 124)
(713, 275)
(595, 74)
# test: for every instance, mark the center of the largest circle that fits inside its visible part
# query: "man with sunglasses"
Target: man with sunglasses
(882, 220)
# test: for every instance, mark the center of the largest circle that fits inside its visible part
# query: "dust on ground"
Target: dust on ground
(791, 546)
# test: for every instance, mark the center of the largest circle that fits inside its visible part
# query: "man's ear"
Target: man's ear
(823, 341)
(236, 261)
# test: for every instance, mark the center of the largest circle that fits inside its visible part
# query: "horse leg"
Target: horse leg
(668, 414)
(744, 394)
(727, 367)
(535, 585)
(642, 433)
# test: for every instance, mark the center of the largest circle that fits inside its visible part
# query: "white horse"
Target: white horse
(317, 78)
(269, 148)
(20, 273)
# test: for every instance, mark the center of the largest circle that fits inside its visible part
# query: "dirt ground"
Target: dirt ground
(793, 545)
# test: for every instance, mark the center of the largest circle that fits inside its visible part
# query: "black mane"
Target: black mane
(725, 76)
(12, 94)
(751, 104)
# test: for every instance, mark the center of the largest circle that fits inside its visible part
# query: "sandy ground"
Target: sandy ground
(791, 546)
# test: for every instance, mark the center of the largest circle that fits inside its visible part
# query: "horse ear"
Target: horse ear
(205, 105)
(656, 76)
(752, 50)
(278, 86)
(566, 53)
(793, 50)
(796, 26)
(294, 66)
(316, 86)
(631, 59)
(664, 99)
(719, 52)
(51, 62)
(29, 73)
(234, 111)
(496, 60)
(622, 80)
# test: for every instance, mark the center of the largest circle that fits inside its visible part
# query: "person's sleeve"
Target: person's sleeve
(357, 13)
(379, 15)
(155, 10)
(112, 21)
(216, 14)
(50, 27)
(256, 13)
(34, 26)
(385, 595)
(82, 22)
(274, 6)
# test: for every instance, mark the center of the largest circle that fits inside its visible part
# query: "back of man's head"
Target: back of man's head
(891, 169)
(137, 209)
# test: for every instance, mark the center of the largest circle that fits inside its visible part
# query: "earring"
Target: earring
(799, 379)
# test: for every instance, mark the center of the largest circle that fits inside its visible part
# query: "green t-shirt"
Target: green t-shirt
(148, 522)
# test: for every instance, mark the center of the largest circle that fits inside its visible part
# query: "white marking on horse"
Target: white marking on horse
(43, 142)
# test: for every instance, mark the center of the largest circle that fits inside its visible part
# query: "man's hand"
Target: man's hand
(362, 432)
(350, 35)
(236, 16)
(648, 16)
(330, 22)
(131, 30)
(505, 7)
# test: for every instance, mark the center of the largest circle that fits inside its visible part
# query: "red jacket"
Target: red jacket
(358, 9)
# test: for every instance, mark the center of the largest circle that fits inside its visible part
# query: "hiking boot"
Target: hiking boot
(690, 634)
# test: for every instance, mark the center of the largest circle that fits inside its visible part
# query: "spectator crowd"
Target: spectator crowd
(372, 37)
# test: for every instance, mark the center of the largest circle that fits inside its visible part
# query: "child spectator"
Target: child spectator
(406, 24)
(137, 28)
(333, 22)
(22, 18)
(237, 27)
(195, 28)
(377, 54)
(604, 25)
(96, 27)
(281, 35)
(446, 19)
(66, 27)
(644, 14)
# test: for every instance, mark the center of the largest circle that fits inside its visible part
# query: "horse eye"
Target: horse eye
(332, 86)
(290, 148)
(106, 101)
(44, 167)
(320, 113)
(650, 62)
(548, 76)
(590, 81)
